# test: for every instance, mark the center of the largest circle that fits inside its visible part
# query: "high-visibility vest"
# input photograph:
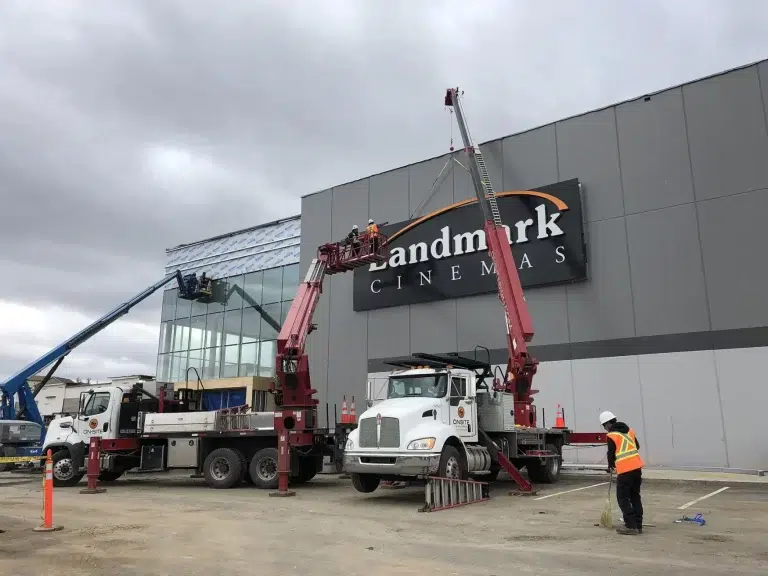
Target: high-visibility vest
(372, 229)
(627, 455)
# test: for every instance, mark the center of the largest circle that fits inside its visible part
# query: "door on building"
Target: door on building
(223, 398)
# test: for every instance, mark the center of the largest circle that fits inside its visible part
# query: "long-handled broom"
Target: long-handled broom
(606, 518)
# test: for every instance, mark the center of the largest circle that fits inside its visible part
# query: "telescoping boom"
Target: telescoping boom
(16, 389)
(521, 365)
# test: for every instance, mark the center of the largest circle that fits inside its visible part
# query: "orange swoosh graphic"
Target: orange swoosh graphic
(554, 199)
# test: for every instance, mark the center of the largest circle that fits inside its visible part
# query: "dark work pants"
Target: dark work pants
(628, 495)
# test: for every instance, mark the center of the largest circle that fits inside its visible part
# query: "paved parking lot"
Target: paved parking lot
(176, 525)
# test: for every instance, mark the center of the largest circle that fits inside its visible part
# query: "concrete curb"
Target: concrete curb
(737, 481)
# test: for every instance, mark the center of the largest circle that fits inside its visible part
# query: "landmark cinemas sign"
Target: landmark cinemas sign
(444, 254)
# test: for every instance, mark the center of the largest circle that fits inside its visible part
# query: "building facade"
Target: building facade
(637, 231)
(229, 342)
(646, 286)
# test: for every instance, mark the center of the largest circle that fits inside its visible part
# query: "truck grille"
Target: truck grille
(367, 433)
(389, 434)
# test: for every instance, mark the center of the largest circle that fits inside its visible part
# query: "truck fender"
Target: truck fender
(76, 451)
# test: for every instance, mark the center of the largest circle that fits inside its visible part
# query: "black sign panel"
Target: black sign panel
(444, 255)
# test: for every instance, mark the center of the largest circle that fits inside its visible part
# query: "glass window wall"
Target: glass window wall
(229, 336)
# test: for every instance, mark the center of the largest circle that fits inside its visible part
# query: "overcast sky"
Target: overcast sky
(127, 127)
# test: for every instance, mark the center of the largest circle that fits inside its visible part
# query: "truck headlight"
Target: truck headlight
(349, 445)
(422, 444)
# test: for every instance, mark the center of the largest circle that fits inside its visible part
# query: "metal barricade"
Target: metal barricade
(442, 493)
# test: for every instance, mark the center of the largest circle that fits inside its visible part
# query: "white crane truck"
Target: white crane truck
(150, 433)
(446, 415)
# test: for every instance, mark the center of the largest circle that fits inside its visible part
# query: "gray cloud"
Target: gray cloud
(129, 127)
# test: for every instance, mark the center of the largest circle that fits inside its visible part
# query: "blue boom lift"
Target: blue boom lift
(17, 400)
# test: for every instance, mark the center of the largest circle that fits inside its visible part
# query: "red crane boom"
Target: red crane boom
(521, 366)
(296, 406)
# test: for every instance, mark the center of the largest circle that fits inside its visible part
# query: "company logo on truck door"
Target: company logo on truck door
(445, 254)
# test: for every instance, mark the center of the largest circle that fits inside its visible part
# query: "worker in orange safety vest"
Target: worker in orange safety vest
(624, 457)
(371, 228)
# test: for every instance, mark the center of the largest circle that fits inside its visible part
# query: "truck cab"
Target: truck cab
(68, 436)
(426, 426)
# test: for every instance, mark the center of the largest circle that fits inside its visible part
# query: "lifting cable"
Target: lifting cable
(447, 169)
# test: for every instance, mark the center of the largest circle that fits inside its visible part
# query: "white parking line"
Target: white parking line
(569, 491)
(692, 502)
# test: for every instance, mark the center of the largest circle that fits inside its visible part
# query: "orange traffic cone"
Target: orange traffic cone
(344, 412)
(560, 417)
(352, 412)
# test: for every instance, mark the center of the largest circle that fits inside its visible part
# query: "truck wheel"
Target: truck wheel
(110, 476)
(222, 468)
(307, 470)
(263, 468)
(545, 470)
(7, 452)
(452, 465)
(65, 471)
(365, 483)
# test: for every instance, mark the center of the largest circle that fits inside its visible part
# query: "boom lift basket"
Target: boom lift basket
(368, 248)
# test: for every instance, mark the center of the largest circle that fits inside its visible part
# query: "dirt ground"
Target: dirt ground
(174, 525)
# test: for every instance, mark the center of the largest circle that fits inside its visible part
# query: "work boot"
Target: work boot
(627, 531)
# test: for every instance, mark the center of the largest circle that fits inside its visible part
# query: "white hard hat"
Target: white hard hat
(606, 417)
(370, 221)
(354, 227)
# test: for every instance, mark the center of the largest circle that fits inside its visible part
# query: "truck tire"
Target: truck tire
(65, 471)
(223, 468)
(263, 468)
(365, 483)
(307, 470)
(452, 465)
(110, 475)
(545, 470)
(7, 452)
(243, 466)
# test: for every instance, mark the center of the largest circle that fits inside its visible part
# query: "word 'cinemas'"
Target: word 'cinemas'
(444, 254)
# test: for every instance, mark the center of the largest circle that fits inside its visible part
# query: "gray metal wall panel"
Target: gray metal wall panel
(389, 197)
(549, 311)
(676, 432)
(388, 329)
(667, 276)
(348, 345)
(744, 395)
(606, 384)
(728, 143)
(733, 244)
(762, 70)
(433, 327)
(389, 332)
(316, 230)
(530, 159)
(600, 308)
(655, 165)
(422, 176)
(587, 149)
(480, 322)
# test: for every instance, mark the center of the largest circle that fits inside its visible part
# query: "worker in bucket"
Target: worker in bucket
(624, 458)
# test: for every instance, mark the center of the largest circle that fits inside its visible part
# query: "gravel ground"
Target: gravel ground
(174, 525)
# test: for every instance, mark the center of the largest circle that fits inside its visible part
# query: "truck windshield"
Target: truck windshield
(430, 386)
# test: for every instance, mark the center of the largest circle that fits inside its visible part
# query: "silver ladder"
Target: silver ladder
(488, 187)
(443, 493)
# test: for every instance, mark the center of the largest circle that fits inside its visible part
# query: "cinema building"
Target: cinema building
(638, 231)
